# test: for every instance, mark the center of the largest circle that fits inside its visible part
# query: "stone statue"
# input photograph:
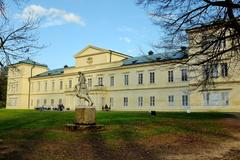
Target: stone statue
(81, 89)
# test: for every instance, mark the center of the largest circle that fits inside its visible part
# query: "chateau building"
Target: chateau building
(144, 83)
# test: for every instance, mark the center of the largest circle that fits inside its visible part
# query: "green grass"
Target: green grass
(33, 125)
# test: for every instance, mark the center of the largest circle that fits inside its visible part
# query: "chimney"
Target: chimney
(150, 52)
(183, 48)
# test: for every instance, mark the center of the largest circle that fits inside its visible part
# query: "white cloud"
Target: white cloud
(125, 39)
(50, 16)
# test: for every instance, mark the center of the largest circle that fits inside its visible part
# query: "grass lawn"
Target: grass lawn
(29, 134)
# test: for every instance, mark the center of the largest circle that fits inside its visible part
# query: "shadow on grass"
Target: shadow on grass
(124, 147)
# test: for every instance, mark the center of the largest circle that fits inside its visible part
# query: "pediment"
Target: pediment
(90, 50)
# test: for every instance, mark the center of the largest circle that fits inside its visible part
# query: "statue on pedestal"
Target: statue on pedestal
(81, 89)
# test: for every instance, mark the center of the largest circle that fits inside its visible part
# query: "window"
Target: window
(185, 100)
(112, 81)
(171, 100)
(53, 85)
(89, 82)
(45, 86)
(125, 101)
(152, 100)
(111, 102)
(39, 86)
(224, 69)
(140, 78)
(140, 101)
(12, 101)
(100, 81)
(60, 101)
(70, 83)
(216, 98)
(45, 102)
(152, 77)
(52, 102)
(210, 71)
(214, 70)
(61, 85)
(38, 102)
(205, 71)
(126, 76)
(170, 76)
(184, 75)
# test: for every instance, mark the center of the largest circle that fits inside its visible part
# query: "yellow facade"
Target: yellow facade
(120, 82)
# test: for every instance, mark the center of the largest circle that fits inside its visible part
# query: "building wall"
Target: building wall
(48, 90)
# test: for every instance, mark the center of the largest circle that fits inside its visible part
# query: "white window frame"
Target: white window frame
(61, 85)
(111, 102)
(184, 75)
(170, 76)
(125, 101)
(126, 79)
(140, 101)
(185, 100)
(89, 82)
(152, 101)
(112, 80)
(171, 100)
(100, 81)
(151, 77)
(140, 78)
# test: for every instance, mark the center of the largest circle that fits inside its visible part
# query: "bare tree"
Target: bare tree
(210, 28)
(16, 42)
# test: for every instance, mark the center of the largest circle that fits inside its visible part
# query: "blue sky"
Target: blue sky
(67, 26)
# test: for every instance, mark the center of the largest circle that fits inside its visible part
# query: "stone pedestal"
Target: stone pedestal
(85, 116)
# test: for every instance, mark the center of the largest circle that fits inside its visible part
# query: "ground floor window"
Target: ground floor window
(52, 102)
(171, 100)
(216, 98)
(60, 101)
(125, 101)
(152, 100)
(140, 101)
(111, 101)
(184, 100)
(12, 101)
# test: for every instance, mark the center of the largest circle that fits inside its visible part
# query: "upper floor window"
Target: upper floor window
(224, 69)
(61, 85)
(184, 75)
(152, 100)
(89, 81)
(140, 78)
(70, 83)
(39, 86)
(45, 86)
(126, 78)
(53, 85)
(170, 76)
(210, 71)
(125, 101)
(152, 77)
(100, 81)
(112, 81)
